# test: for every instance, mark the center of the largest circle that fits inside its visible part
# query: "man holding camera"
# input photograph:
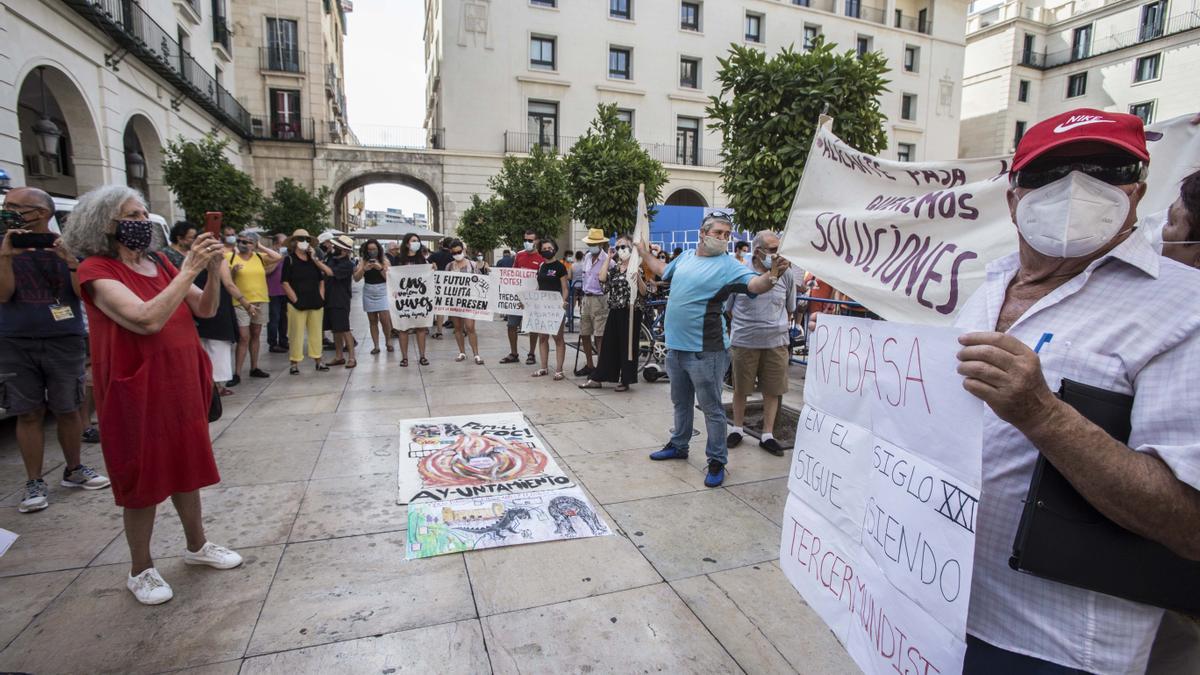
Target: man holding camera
(42, 341)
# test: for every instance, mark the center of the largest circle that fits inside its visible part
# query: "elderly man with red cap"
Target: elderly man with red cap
(1109, 312)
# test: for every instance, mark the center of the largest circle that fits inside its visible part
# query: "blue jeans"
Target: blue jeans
(277, 322)
(698, 377)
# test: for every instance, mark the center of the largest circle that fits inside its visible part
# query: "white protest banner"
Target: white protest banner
(508, 283)
(908, 240)
(410, 288)
(911, 240)
(463, 294)
(879, 525)
(543, 312)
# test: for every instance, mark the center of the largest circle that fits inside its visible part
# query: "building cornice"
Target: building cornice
(529, 79)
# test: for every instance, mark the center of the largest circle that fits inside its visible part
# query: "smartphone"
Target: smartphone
(212, 223)
(34, 240)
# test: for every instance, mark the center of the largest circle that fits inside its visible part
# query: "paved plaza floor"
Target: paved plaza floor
(690, 583)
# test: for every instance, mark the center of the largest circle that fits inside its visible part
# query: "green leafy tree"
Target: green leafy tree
(479, 227)
(604, 170)
(769, 120)
(292, 206)
(203, 179)
(531, 194)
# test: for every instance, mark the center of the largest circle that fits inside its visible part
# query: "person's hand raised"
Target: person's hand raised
(206, 251)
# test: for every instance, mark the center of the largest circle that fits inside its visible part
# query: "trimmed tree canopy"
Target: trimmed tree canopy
(203, 179)
(479, 227)
(530, 193)
(769, 120)
(292, 206)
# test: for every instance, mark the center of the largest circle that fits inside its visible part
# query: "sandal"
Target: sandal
(560, 375)
(591, 384)
(351, 363)
(530, 359)
(540, 373)
(403, 363)
(424, 361)
(511, 358)
(621, 387)
(376, 350)
(226, 391)
(478, 360)
(337, 362)
(322, 367)
(461, 357)
(390, 349)
(295, 369)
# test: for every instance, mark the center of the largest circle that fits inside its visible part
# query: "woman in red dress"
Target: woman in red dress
(153, 381)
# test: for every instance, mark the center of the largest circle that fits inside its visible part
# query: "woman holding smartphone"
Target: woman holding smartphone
(372, 270)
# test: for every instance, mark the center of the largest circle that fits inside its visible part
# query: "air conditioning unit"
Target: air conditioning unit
(257, 127)
(335, 129)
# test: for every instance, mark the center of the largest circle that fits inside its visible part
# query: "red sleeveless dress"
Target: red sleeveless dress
(152, 394)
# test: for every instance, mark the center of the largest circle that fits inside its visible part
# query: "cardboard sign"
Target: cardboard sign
(508, 284)
(411, 290)
(463, 294)
(879, 525)
(543, 312)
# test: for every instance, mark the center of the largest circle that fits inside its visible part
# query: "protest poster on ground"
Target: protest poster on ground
(463, 294)
(470, 456)
(436, 528)
(911, 240)
(544, 312)
(508, 283)
(410, 288)
(879, 524)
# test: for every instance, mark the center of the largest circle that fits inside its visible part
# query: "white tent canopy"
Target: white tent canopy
(394, 231)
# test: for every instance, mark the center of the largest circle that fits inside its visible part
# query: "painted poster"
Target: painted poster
(463, 294)
(879, 525)
(410, 288)
(446, 458)
(436, 528)
(544, 312)
(508, 283)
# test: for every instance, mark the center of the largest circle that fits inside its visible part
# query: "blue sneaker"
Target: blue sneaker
(669, 452)
(716, 474)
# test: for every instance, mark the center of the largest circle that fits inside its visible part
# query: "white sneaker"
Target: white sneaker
(35, 498)
(149, 587)
(84, 476)
(214, 556)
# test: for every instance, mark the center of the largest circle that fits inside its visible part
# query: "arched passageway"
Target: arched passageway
(49, 103)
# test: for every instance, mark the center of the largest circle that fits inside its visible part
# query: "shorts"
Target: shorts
(220, 354)
(768, 366)
(593, 315)
(338, 319)
(513, 320)
(49, 372)
(260, 319)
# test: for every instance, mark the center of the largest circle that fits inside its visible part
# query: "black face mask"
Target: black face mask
(11, 220)
(134, 234)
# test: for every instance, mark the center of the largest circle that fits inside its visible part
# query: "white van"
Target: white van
(62, 212)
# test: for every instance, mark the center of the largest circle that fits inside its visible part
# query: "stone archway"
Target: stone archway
(79, 164)
(375, 177)
(686, 197)
(141, 137)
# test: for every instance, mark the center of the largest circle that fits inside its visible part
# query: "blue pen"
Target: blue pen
(1045, 340)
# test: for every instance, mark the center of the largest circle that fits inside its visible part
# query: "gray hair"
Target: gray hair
(707, 223)
(249, 234)
(88, 230)
(45, 201)
(762, 236)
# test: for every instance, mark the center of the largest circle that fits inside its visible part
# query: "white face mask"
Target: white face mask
(1072, 217)
(624, 253)
(302, 246)
(767, 260)
(282, 250)
(230, 240)
(458, 256)
(713, 246)
(593, 249)
(529, 246)
(414, 246)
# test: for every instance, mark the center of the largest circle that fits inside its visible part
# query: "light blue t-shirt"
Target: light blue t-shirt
(699, 287)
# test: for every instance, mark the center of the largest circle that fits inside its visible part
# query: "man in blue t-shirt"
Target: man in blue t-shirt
(697, 343)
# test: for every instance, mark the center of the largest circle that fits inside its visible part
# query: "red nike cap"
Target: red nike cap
(1079, 126)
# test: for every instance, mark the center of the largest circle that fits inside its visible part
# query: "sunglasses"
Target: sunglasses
(622, 247)
(243, 241)
(1114, 174)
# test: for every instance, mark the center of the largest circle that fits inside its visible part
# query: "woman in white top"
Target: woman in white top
(465, 328)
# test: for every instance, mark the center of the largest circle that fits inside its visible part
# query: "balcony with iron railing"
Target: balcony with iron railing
(331, 79)
(856, 10)
(136, 32)
(284, 128)
(523, 142)
(399, 138)
(221, 32)
(1103, 45)
(281, 59)
(914, 23)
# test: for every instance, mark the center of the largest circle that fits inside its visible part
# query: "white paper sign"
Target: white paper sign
(463, 294)
(543, 312)
(410, 288)
(879, 526)
(508, 283)
(6, 540)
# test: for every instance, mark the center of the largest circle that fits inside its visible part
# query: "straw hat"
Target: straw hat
(300, 233)
(343, 242)
(595, 236)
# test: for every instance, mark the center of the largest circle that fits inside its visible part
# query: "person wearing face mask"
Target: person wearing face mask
(277, 340)
(411, 253)
(153, 381)
(552, 276)
(1176, 235)
(527, 259)
(249, 265)
(1074, 188)
(618, 358)
(338, 291)
(593, 309)
(182, 235)
(464, 329)
(229, 238)
(372, 270)
(440, 259)
(304, 282)
(43, 344)
(697, 342)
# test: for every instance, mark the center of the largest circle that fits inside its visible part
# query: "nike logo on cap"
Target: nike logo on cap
(1079, 121)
